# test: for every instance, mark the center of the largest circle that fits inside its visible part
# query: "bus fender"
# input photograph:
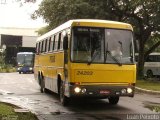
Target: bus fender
(65, 83)
(40, 77)
(59, 82)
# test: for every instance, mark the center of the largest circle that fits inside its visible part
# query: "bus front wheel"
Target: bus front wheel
(63, 99)
(113, 100)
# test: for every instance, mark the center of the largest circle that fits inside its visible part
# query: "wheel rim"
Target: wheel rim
(149, 74)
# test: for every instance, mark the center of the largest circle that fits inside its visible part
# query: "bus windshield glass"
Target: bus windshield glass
(25, 59)
(100, 45)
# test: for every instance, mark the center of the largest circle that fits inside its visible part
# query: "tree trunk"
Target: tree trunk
(140, 66)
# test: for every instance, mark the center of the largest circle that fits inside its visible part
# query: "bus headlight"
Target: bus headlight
(84, 90)
(30, 68)
(123, 91)
(77, 90)
(129, 90)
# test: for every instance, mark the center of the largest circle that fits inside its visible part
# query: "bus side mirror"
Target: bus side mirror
(65, 42)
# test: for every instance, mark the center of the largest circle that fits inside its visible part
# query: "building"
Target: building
(17, 40)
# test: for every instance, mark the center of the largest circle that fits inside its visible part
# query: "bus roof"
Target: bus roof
(154, 53)
(87, 22)
(25, 53)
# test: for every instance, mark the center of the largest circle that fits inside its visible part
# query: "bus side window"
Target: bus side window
(49, 44)
(154, 58)
(150, 58)
(37, 47)
(53, 42)
(43, 45)
(56, 43)
(59, 41)
(61, 44)
(158, 58)
(46, 45)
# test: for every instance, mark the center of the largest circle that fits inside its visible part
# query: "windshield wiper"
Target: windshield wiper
(114, 58)
(93, 57)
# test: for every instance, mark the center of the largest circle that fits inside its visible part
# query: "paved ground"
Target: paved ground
(23, 90)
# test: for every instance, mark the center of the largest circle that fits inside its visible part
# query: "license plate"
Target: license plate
(104, 92)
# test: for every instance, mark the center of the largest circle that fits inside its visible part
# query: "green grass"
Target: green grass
(7, 113)
(155, 108)
(5, 109)
(148, 84)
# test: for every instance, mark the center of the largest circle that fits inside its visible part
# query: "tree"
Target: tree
(43, 30)
(56, 12)
(142, 14)
(25, 1)
(145, 17)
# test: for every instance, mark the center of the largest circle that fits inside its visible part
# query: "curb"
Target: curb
(147, 91)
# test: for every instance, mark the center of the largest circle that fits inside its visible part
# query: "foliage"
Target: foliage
(26, 1)
(3, 66)
(43, 30)
(1, 59)
(55, 12)
(144, 15)
(7, 68)
(153, 40)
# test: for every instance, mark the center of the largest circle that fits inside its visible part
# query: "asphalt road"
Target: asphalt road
(23, 90)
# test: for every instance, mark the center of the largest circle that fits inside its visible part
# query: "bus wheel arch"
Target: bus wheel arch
(41, 82)
(59, 80)
(61, 88)
(149, 73)
(39, 74)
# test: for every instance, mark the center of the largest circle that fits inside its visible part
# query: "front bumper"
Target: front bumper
(24, 69)
(101, 91)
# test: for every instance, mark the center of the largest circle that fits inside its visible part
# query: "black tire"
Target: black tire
(42, 84)
(19, 72)
(113, 100)
(149, 74)
(63, 99)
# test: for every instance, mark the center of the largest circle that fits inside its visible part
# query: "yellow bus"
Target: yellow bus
(87, 58)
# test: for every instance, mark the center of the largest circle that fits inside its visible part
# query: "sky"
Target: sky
(12, 14)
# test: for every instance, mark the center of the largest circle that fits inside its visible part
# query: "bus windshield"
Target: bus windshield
(100, 45)
(25, 59)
